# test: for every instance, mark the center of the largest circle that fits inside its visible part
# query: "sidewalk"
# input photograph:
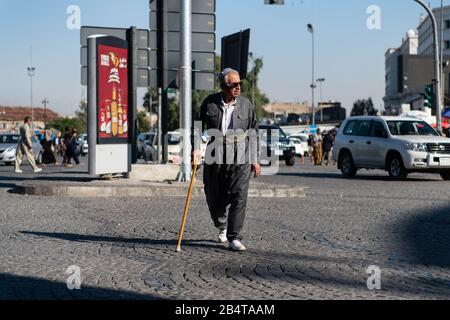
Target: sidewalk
(74, 183)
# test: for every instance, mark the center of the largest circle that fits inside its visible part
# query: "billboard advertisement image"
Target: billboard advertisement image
(112, 84)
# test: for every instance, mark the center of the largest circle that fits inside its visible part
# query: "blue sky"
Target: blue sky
(348, 54)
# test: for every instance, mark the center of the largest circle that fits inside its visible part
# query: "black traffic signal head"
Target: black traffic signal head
(273, 1)
(429, 96)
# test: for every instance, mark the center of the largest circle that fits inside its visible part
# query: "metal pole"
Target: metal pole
(312, 83)
(132, 94)
(442, 55)
(437, 67)
(254, 78)
(159, 124)
(32, 110)
(92, 103)
(45, 113)
(321, 81)
(313, 86)
(186, 88)
(31, 73)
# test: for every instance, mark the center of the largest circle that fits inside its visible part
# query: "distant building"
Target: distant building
(330, 112)
(395, 78)
(426, 32)
(411, 66)
(12, 117)
(282, 112)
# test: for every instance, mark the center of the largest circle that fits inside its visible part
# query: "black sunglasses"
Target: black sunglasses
(234, 85)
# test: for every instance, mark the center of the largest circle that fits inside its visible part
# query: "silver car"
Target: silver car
(399, 145)
(8, 147)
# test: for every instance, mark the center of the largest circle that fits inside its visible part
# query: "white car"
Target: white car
(299, 150)
(399, 145)
(84, 146)
(8, 147)
(303, 140)
(174, 147)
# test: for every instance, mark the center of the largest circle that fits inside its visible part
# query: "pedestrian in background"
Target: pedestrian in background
(71, 152)
(310, 148)
(64, 145)
(328, 143)
(25, 147)
(48, 146)
(58, 143)
(317, 147)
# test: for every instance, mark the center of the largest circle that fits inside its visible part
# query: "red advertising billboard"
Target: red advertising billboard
(112, 91)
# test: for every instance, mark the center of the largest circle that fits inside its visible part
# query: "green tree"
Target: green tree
(151, 100)
(250, 90)
(78, 122)
(81, 113)
(364, 107)
(143, 123)
(70, 123)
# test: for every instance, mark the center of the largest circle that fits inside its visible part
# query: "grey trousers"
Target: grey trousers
(227, 185)
(22, 150)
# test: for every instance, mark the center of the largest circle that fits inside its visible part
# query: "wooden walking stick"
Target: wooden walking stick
(186, 208)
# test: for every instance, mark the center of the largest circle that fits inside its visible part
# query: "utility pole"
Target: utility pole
(313, 85)
(253, 78)
(31, 74)
(437, 65)
(45, 102)
(442, 55)
(186, 88)
(321, 81)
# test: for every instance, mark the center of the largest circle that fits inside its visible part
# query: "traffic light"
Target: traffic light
(429, 96)
(273, 1)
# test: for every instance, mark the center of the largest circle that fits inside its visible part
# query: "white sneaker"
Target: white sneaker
(223, 236)
(236, 245)
(18, 171)
(37, 170)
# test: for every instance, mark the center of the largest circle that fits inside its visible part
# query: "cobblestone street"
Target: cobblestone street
(318, 247)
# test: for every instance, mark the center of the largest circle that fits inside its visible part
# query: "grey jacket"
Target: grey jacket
(25, 135)
(244, 118)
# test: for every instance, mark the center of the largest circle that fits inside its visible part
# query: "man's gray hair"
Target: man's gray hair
(224, 76)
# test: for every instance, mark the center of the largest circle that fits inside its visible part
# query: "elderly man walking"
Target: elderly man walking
(25, 147)
(226, 179)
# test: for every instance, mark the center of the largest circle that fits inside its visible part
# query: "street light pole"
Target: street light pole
(31, 74)
(45, 102)
(253, 78)
(186, 88)
(313, 86)
(321, 81)
(437, 65)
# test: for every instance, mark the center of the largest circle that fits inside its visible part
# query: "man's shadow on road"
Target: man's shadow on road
(21, 287)
(202, 243)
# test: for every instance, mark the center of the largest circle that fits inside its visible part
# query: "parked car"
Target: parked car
(303, 140)
(83, 144)
(399, 145)
(150, 148)
(142, 138)
(284, 149)
(8, 147)
(174, 147)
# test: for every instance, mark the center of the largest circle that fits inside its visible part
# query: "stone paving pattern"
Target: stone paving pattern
(318, 247)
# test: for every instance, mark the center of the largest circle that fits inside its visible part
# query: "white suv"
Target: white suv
(398, 145)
